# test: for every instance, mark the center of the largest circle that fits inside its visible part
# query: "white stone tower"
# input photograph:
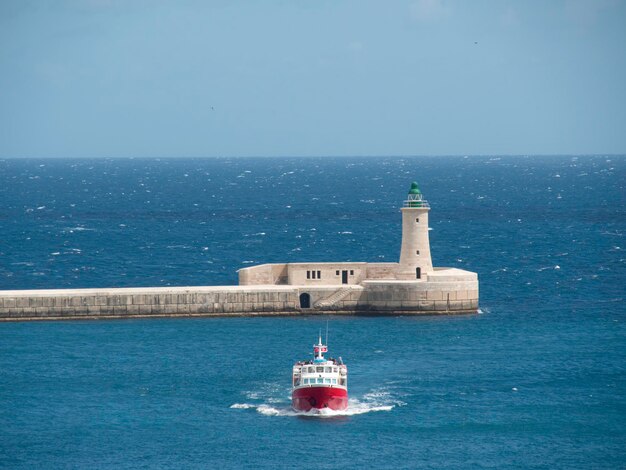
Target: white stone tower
(415, 261)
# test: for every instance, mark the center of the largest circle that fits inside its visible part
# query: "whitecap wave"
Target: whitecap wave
(242, 406)
(78, 229)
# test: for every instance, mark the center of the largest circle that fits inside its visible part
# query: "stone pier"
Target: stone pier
(445, 295)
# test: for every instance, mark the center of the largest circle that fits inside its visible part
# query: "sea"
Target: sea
(535, 380)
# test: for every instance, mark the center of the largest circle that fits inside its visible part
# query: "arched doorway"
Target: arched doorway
(305, 300)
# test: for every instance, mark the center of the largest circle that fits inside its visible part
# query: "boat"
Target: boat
(319, 384)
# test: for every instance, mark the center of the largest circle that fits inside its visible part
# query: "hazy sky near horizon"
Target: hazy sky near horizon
(151, 78)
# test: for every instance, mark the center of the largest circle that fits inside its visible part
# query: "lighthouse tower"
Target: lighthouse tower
(415, 261)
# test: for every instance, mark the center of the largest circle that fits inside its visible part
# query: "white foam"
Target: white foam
(242, 406)
(79, 229)
(353, 409)
(377, 400)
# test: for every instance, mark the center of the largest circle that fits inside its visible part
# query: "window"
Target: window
(311, 370)
(417, 252)
(329, 370)
(320, 369)
(319, 274)
(335, 381)
(334, 369)
(337, 273)
(308, 274)
(320, 381)
(352, 272)
(342, 381)
(326, 381)
(417, 221)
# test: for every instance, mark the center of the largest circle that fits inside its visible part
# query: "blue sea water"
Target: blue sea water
(537, 380)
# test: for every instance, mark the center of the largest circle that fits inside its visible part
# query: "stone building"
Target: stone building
(410, 286)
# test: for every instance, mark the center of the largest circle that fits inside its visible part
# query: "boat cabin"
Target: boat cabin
(328, 374)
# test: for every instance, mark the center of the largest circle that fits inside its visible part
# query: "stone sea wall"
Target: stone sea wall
(147, 302)
(373, 297)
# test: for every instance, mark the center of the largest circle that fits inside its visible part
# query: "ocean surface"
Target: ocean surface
(536, 380)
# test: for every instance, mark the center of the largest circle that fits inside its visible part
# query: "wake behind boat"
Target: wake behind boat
(320, 384)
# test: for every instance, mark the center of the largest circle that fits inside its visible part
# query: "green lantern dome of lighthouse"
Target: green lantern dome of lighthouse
(414, 188)
(415, 198)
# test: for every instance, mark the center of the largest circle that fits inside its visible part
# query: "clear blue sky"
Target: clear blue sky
(124, 78)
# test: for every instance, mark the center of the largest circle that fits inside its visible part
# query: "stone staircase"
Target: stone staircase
(333, 298)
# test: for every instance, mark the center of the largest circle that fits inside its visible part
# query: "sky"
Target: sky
(156, 78)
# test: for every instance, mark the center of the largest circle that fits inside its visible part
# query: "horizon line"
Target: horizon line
(477, 155)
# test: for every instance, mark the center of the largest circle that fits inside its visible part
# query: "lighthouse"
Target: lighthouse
(415, 261)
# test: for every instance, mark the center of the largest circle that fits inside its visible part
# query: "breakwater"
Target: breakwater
(371, 297)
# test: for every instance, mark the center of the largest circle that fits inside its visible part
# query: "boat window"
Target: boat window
(334, 369)
(334, 381)
(329, 370)
(320, 369)
(311, 369)
(342, 381)
(320, 381)
(326, 381)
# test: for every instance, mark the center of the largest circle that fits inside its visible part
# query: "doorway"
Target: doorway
(305, 301)
(344, 277)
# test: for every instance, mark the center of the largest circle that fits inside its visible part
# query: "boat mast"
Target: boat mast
(319, 349)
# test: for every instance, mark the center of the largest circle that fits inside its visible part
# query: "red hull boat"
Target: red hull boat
(320, 384)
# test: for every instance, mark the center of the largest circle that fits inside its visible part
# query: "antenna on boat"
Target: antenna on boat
(326, 332)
